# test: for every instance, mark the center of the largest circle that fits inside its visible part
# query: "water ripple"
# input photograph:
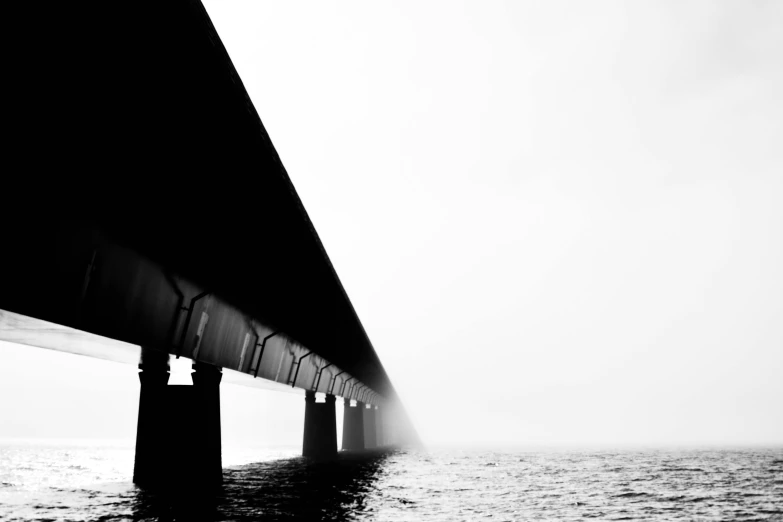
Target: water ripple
(407, 485)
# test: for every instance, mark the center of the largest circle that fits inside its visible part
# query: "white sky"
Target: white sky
(560, 222)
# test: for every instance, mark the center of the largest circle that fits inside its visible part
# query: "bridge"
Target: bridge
(174, 226)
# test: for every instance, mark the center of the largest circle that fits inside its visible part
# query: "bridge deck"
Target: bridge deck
(150, 132)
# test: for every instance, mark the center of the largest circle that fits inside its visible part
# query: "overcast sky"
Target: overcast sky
(559, 222)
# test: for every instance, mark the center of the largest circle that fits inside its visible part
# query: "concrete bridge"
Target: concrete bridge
(174, 226)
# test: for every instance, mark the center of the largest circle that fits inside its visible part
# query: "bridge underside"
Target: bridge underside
(73, 275)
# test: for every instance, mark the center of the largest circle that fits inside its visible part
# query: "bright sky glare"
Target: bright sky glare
(559, 222)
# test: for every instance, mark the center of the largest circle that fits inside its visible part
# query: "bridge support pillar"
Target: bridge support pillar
(204, 438)
(379, 434)
(370, 435)
(353, 426)
(178, 434)
(152, 442)
(320, 428)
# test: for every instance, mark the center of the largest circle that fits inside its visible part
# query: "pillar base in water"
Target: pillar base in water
(152, 443)
(370, 434)
(380, 435)
(178, 436)
(353, 426)
(320, 428)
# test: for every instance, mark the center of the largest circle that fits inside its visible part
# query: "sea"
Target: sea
(90, 481)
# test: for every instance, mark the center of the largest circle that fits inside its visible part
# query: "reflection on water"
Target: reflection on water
(287, 489)
(91, 484)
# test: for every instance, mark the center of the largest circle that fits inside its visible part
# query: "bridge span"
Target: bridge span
(178, 229)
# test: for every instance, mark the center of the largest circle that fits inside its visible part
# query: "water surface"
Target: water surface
(84, 483)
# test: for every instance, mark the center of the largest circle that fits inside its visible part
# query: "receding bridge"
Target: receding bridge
(178, 229)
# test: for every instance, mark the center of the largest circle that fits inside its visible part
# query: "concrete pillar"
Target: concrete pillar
(320, 428)
(178, 435)
(370, 435)
(331, 408)
(206, 447)
(151, 429)
(379, 427)
(353, 426)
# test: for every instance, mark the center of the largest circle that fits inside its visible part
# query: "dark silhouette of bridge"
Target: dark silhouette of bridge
(152, 208)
